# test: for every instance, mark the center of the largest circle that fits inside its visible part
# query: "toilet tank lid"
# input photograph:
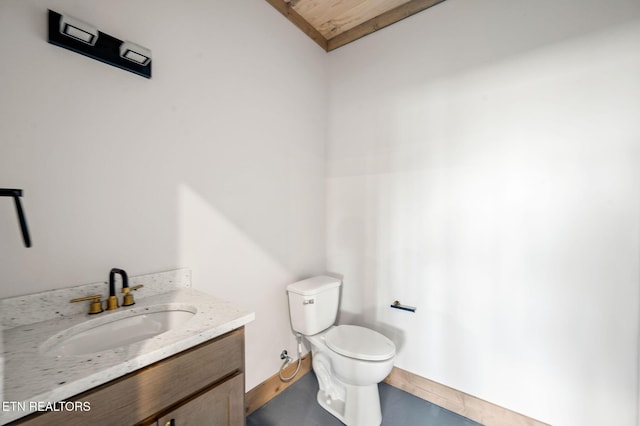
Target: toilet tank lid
(314, 285)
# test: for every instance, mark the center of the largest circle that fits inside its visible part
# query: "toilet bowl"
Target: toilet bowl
(349, 361)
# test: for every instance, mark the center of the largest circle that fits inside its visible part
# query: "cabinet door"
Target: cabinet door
(222, 405)
(141, 395)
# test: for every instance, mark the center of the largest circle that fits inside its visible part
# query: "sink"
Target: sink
(118, 329)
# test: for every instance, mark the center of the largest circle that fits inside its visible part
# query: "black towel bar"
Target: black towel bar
(16, 194)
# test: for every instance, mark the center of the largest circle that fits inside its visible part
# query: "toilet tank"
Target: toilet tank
(313, 304)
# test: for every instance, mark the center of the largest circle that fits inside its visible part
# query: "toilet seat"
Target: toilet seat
(360, 343)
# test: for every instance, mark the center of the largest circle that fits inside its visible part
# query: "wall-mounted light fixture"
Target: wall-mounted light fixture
(135, 53)
(79, 30)
(80, 37)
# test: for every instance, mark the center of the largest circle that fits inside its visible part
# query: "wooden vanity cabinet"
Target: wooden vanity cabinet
(226, 400)
(203, 385)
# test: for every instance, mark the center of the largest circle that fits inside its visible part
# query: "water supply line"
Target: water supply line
(288, 360)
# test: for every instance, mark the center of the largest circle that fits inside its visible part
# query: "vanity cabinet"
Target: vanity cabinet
(225, 400)
(203, 385)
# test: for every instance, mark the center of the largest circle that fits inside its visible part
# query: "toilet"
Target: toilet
(349, 361)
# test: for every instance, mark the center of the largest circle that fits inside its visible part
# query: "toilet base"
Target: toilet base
(361, 406)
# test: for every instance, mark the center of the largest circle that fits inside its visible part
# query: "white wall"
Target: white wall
(483, 166)
(216, 163)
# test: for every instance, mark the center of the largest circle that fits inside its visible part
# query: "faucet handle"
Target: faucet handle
(127, 300)
(96, 304)
(135, 287)
(112, 303)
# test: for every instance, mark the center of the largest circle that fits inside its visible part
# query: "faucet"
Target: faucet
(112, 301)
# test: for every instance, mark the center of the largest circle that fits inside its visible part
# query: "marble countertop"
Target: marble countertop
(33, 374)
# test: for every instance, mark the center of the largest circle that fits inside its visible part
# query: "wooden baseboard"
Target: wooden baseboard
(461, 403)
(466, 405)
(273, 386)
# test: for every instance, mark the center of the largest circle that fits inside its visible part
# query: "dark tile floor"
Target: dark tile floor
(297, 406)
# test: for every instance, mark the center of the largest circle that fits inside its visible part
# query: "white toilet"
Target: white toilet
(348, 360)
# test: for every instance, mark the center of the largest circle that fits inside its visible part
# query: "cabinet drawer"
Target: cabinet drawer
(222, 405)
(143, 394)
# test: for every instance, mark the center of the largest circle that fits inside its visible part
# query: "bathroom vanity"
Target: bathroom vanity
(184, 389)
(193, 373)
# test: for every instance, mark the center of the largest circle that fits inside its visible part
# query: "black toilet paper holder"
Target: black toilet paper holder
(397, 305)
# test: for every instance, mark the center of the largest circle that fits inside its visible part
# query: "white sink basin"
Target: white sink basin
(118, 329)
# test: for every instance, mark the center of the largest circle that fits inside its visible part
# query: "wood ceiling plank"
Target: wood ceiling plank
(344, 21)
(333, 17)
(286, 8)
(383, 20)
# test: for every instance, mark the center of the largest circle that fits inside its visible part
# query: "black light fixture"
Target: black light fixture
(78, 30)
(16, 194)
(80, 37)
(135, 53)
